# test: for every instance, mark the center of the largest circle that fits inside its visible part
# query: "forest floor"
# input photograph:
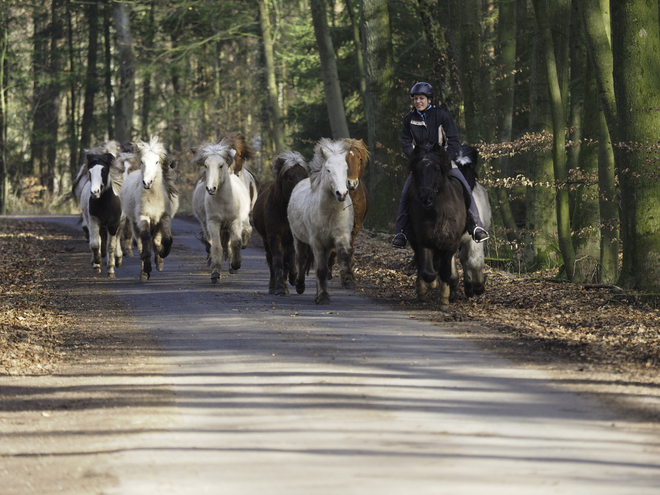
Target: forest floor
(531, 318)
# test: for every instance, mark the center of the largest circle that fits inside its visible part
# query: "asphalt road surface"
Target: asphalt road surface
(276, 395)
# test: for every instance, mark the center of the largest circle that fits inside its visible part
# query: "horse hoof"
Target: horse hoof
(144, 277)
(215, 276)
(160, 265)
(111, 275)
(119, 262)
(349, 284)
(280, 291)
(324, 299)
(300, 288)
(233, 271)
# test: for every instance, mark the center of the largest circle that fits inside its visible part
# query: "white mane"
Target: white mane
(287, 159)
(323, 150)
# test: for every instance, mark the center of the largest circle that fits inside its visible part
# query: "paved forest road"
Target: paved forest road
(257, 394)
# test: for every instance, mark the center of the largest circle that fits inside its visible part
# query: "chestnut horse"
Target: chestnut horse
(270, 219)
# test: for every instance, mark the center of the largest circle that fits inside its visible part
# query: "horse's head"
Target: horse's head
(429, 168)
(152, 157)
(99, 171)
(289, 168)
(128, 162)
(215, 161)
(356, 158)
(329, 167)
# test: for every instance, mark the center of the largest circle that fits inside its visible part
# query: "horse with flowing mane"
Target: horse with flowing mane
(101, 209)
(270, 219)
(321, 218)
(150, 200)
(221, 203)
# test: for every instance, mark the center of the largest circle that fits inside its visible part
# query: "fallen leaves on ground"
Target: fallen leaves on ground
(565, 320)
(33, 331)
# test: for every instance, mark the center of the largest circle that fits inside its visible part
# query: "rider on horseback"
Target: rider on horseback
(420, 128)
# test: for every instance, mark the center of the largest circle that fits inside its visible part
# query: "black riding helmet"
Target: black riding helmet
(422, 88)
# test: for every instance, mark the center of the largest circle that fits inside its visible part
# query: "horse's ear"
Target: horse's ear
(278, 163)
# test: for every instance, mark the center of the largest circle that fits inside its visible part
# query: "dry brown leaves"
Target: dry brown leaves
(33, 330)
(565, 320)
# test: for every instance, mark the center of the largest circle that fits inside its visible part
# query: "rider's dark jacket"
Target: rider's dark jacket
(422, 128)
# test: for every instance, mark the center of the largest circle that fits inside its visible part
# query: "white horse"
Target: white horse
(149, 200)
(250, 182)
(82, 177)
(221, 204)
(101, 209)
(321, 218)
(128, 162)
(471, 254)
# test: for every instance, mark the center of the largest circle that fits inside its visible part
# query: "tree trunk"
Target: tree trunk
(504, 89)
(331, 87)
(91, 82)
(554, 72)
(52, 97)
(358, 47)
(39, 92)
(146, 81)
(126, 95)
(608, 205)
(635, 48)
(586, 214)
(596, 21)
(107, 72)
(540, 218)
(72, 123)
(435, 37)
(271, 80)
(470, 72)
(386, 173)
(4, 46)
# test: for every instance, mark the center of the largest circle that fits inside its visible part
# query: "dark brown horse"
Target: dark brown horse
(270, 219)
(438, 215)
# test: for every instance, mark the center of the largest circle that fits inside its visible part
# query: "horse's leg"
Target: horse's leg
(157, 240)
(226, 245)
(472, 258)
(166, 235)
(269, 260)
(103, 235)
(112, 241)
(277, 265)
(427, 280)
(246, 233)
(332, 259)
(302, 254)
(289, 266)
(236, 230)
(213, 228)
(95, 244)
(344, 259)
(144, 230)
(445, 275)
(321, 256)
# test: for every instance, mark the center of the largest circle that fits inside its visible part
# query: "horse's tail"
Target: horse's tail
(310, 260)
(467, 163)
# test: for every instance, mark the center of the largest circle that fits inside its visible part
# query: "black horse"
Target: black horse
(438, 218)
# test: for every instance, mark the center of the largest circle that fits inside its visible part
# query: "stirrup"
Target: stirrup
(480, 235)
(400, 240)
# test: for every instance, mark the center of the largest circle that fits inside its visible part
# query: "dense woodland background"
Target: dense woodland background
(560, 96)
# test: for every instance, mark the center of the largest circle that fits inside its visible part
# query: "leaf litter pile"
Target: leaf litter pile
(584, 325)
(559, 320)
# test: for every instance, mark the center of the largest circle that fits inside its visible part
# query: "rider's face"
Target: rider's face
(421, 102)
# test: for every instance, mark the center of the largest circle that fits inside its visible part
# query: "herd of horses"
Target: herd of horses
(308, 216)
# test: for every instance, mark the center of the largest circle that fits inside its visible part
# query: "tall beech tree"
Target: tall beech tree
(331, 85)
(635, 48)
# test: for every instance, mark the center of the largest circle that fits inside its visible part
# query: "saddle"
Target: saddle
(467, 197)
